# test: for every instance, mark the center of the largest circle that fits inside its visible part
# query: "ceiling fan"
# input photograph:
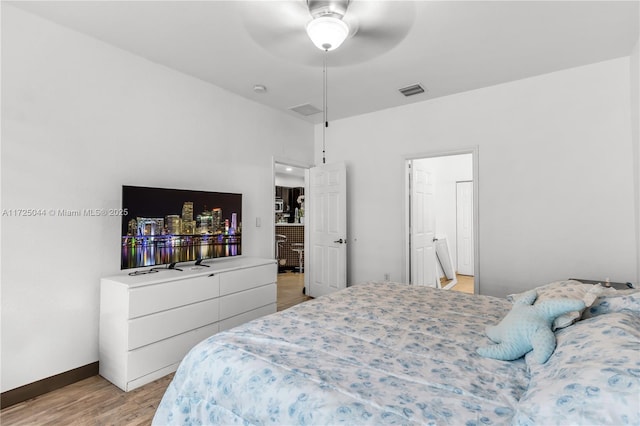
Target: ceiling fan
(373, 27)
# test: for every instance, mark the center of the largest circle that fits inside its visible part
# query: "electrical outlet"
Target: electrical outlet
(387, 276)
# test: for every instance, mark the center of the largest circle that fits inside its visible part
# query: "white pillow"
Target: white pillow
(568, 289)
(612, 300)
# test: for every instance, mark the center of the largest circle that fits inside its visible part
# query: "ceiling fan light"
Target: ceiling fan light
(327, 32)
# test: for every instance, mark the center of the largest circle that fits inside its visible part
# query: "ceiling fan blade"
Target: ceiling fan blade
(269, 21)
(386, 35)
(377, 27)
(383, 19)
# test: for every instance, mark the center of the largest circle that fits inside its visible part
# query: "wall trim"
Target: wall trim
(31, 390)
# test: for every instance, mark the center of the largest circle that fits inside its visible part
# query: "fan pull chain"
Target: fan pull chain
(324, 104)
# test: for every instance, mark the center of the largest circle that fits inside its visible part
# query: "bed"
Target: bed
(392, 353)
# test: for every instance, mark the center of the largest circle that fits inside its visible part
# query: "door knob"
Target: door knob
(340, 241)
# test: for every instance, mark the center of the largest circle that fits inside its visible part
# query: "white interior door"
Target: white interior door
(326, 212)
(464, 228)
(422, 225)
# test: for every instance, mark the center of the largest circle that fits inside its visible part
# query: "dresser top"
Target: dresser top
(143, 277)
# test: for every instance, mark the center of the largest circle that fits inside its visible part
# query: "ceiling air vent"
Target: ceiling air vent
(306, 109)
(414, 89)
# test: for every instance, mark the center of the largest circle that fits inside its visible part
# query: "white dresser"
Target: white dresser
(149, 322)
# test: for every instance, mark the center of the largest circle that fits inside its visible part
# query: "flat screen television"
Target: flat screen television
(162, 226)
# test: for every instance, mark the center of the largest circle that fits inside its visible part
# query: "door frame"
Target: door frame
(457, 222)
(300, 165)
(476, 197)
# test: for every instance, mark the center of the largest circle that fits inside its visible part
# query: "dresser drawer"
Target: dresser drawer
(228, 323)
(159, 297)
(151, 328)
(244, 279)
(153, 357)
(247, 300)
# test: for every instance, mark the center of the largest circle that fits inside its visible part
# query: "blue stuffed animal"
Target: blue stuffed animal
(527, 327)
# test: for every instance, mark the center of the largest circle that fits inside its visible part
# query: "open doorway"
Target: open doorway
(289, 232)
(442, 221)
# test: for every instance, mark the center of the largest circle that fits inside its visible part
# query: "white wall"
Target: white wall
(289, 181)
(635, 136)
(447, 171)
(80, 119)
(555, 176)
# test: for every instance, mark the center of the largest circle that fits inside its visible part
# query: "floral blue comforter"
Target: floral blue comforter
(376, 353)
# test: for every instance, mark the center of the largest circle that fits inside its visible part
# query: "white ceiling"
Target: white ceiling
(447, 46)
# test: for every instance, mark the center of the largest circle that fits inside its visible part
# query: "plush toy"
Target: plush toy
(527, 327)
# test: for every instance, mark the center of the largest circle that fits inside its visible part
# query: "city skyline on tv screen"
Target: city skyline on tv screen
(163, 226)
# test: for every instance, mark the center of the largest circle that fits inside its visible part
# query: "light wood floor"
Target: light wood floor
(290, 286)
(93, 401)
(465, 284)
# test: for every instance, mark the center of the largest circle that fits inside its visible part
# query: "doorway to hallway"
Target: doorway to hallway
(442, 225)
(290, 187)
(314, 228)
